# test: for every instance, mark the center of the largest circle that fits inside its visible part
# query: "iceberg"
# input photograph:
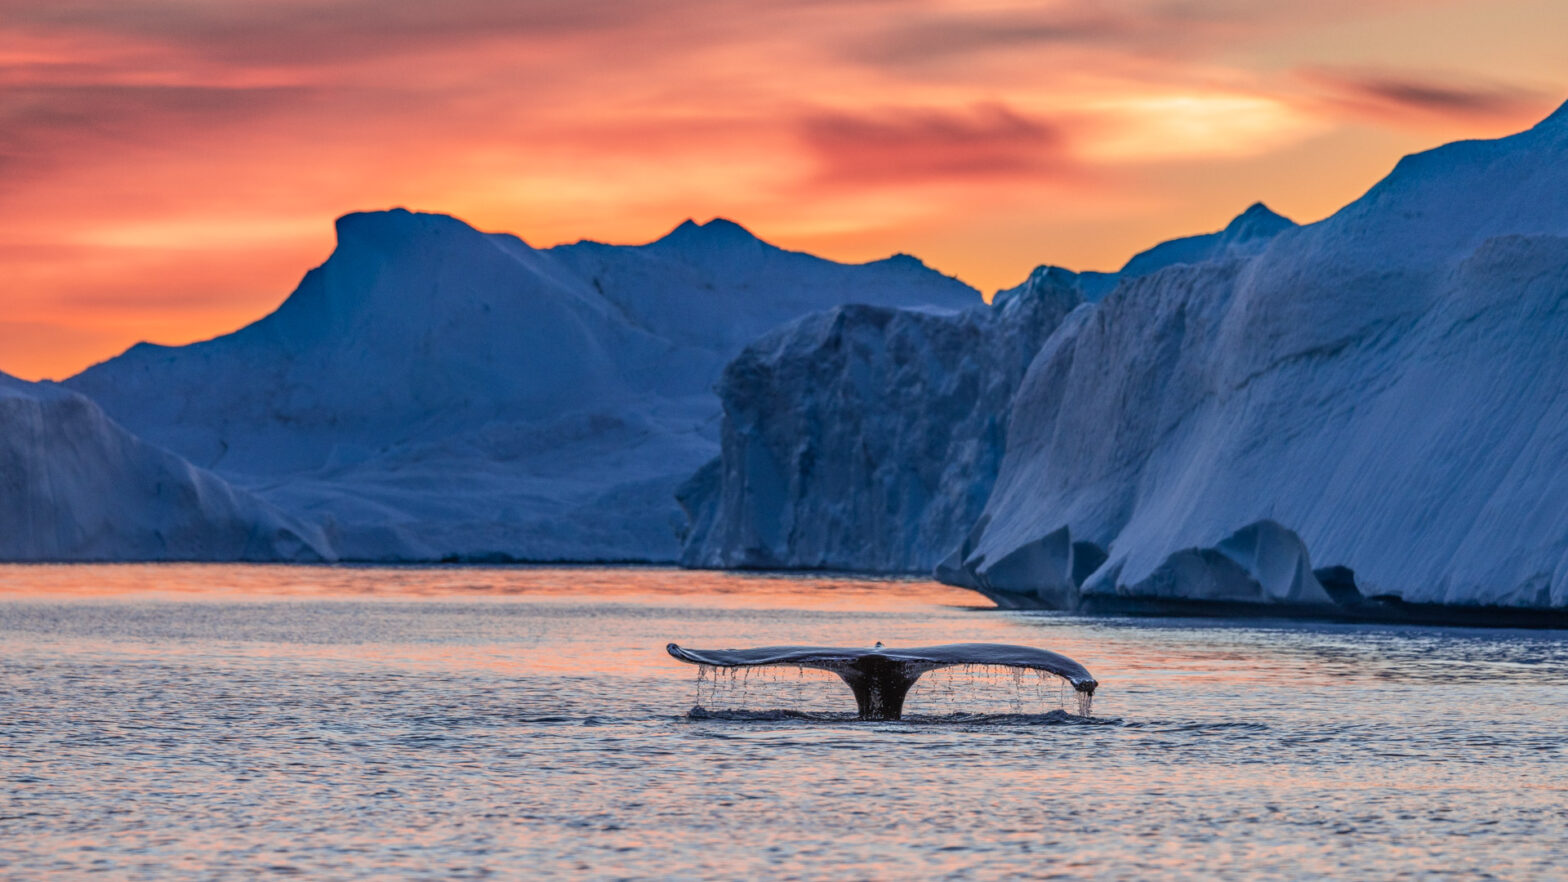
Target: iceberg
(77, 486)
(866, 438)
(432, 392)
(863, 438)
(1370, 407)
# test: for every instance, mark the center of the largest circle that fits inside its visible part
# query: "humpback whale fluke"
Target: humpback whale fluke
(880, 677)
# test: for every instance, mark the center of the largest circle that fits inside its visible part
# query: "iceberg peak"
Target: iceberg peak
(1257, 220)
(716, 233)
(1246, 234)
(903, 261)
(394, 227)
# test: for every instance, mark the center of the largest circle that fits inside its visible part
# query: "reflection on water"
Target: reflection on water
(202, 721)
(985, 690)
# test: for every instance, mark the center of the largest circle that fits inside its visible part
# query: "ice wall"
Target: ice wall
(868, 439)
(1384, 392)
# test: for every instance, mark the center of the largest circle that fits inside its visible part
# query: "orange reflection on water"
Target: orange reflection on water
(701, 588)
(511, 620)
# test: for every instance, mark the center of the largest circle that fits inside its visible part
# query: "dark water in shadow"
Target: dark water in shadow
(201, 722)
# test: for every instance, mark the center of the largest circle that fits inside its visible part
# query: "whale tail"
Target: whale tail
(881, 678)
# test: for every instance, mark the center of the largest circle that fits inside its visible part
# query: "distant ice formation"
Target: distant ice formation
(433, 392)
(76, 486)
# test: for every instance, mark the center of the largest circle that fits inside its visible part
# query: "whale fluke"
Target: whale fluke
(881, 677)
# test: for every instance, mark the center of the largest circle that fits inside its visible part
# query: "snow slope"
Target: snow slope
(435, 392)
(1246, 235)
(1385, 391)
(76, 486)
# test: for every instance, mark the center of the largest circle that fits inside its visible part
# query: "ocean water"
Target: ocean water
(198, 722)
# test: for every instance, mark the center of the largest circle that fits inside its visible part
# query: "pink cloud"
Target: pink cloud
(904, 145)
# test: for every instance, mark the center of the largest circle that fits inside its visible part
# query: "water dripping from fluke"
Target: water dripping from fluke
(881, 677)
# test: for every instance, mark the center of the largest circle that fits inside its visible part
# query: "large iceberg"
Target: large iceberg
(433, 392)
(868, 438)
(77, 486)
(1372, 406)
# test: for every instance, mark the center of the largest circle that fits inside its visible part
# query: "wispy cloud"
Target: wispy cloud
(904, 145)
(47, 125)
(945, 34)
(942, 36)
(1376, 93)
(292, 32)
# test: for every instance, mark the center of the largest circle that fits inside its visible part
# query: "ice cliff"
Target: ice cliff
(1375, 404)
(76, 486)
(864, 438)
(868, 439)
(433, 392)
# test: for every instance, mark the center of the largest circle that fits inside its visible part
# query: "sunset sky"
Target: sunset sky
(170, 168)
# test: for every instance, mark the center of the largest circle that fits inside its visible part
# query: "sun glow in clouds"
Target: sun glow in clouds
(1157, 128)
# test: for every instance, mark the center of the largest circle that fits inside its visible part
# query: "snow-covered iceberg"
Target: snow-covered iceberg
(76, 486)
(1382, 395)
(434, 392)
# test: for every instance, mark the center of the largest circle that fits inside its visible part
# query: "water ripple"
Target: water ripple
(543, 733)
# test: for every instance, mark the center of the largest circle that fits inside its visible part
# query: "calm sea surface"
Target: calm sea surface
(227, 721)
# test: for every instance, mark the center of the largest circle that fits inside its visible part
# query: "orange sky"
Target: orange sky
(170, 168)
